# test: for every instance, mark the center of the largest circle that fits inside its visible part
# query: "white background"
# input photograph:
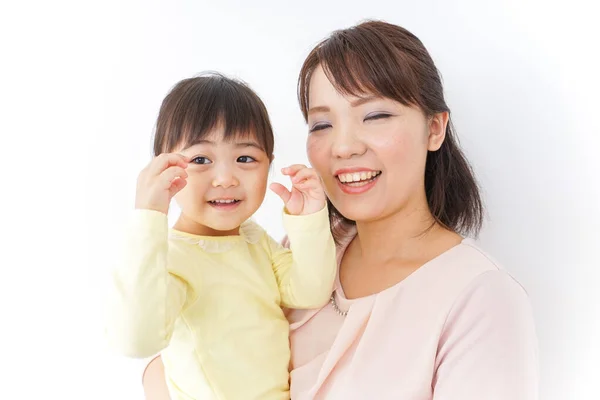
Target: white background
(80, 88)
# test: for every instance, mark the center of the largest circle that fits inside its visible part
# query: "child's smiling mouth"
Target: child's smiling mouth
(224, 204)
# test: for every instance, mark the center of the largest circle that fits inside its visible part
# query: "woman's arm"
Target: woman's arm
(488, 349)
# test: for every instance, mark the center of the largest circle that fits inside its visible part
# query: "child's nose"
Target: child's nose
(224, 178)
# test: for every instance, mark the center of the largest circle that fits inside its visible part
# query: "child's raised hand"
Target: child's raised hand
(307, 195)
(162, 178)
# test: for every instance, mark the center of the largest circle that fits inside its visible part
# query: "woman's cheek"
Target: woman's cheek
(316, 150)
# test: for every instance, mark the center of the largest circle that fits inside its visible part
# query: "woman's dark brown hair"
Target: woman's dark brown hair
(196, 106)
(383, 59)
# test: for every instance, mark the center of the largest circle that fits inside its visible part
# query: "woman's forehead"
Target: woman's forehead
(322, 86)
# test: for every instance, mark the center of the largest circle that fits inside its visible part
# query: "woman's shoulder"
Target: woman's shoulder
(490, 302)
(468, 261)
(468, 271)
(457, 274)
(471, 256)
(488, 271)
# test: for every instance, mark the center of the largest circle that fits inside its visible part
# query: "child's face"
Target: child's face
(226, 184)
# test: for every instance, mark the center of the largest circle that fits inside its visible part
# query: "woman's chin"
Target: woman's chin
(360, 212)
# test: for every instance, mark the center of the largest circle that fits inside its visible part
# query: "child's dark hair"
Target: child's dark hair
(196, 106)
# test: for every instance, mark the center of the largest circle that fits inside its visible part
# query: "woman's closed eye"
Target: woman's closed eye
(319, 126)
(376, 116)
(201, 160)
(246, 159)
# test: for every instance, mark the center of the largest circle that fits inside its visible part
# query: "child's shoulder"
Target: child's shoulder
(252, 232)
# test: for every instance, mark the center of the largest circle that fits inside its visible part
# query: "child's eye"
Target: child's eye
(373, 117)
(320, 127)
(245, 159)
(201, 160)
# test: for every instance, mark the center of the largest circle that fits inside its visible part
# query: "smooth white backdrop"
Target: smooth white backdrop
(80, 87)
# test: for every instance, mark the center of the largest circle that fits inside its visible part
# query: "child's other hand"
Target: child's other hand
(307, 195)
(162, 178)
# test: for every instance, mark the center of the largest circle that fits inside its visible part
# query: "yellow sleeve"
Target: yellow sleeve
(306, 272)
(145, 299)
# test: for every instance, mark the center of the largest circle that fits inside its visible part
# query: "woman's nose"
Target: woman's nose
(347, 144)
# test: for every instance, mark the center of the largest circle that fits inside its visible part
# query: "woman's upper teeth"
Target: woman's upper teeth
(357, 176)
(223, 201)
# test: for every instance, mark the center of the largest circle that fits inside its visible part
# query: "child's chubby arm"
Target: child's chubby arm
(145, 299)
(306, 271)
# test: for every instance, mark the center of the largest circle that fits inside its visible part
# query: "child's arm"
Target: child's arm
(306, 272)
(145, 298)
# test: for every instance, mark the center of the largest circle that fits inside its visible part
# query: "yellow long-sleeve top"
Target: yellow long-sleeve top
(212, 305)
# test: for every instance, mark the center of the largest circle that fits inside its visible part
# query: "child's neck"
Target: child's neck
(187, 225)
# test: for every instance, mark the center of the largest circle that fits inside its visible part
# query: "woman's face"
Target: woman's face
(369, 151)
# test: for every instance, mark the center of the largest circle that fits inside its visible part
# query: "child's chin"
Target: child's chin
(225, 226)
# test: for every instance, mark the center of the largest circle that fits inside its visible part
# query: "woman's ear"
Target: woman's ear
(437, 130)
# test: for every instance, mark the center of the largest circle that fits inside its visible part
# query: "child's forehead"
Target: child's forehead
(218, 137)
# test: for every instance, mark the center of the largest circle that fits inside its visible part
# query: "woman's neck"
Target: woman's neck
(408, 235)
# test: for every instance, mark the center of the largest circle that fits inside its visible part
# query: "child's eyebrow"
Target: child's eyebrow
(248, 144)
(236, 144)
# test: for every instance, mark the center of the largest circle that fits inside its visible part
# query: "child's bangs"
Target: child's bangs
(239, 121)
(199, 109)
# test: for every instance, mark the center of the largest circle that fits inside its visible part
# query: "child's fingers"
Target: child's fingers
(308, 187)
(281, 191)
(176, 186)
(304, 174)
(166, 160)
(163, 161)
(293, 169)
(306, 184)
(169, 175)
(185, 161)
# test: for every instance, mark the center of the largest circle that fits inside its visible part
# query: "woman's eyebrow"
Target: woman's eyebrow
(318, 109)
(363, 100)
(355, 103)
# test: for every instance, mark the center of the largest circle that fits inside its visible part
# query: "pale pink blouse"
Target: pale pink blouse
(459, 328)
